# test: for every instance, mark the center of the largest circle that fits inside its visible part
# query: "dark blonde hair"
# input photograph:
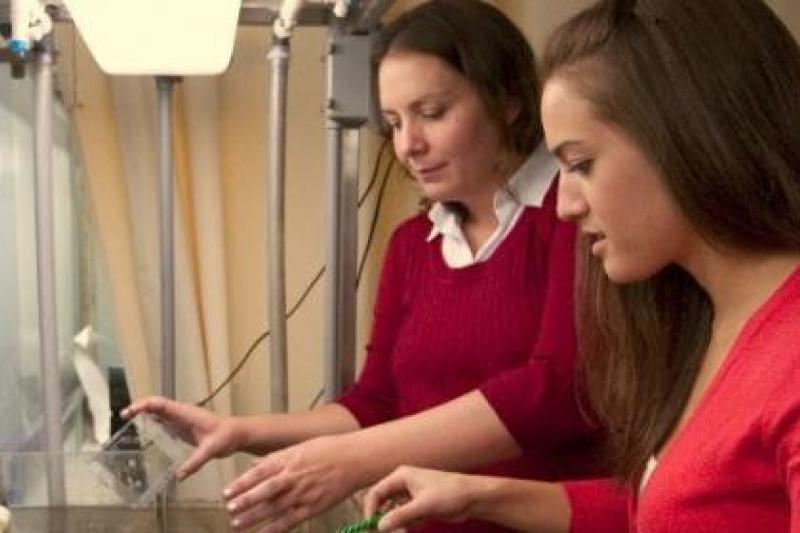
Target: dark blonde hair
(710, 92)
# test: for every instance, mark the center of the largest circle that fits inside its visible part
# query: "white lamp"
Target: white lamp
(158, 37)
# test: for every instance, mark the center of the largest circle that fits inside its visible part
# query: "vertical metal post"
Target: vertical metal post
(332, 329)
(276, 255)
(343, 153)
(46, 272)
(348, 270)
(165, 86)
(348, 94)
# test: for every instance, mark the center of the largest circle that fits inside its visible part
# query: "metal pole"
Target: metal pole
(348, 269)
(343, 150)
(45, 264)
(165, 86)
(347, 97)
(279, 374)
(332, 329)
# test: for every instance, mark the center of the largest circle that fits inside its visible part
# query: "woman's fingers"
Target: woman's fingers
(272, 504)
(152, 404)
(389, 488)
(185, 419)
(394, 488)
(401, 517)
(289, 486)
(262, 470)
(424, 493)
(266, 493)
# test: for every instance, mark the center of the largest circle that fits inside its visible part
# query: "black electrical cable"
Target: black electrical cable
(315, 280)
(374, 176)
(374, 223)
(368, 245)
(317, 398)
(258, 341)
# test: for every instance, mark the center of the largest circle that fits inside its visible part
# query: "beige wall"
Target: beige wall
(538, 18)
(789, 11)
(244, 120)
(244, 89)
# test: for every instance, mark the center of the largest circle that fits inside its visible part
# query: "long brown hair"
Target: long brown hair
(710, 92)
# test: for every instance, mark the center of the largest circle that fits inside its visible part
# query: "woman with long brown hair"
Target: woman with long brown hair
(675, 123)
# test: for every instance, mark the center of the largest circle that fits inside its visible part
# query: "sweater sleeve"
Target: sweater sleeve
(373, 399)
(538, 402)
(598, 505)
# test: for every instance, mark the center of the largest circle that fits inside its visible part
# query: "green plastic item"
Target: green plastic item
(368, 524)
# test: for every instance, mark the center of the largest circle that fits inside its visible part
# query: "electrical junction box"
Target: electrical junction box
(349, 84)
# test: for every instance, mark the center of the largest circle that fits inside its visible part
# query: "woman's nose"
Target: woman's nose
(409, 141)
(571, 204)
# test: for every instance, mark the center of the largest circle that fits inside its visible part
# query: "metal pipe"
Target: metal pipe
(332, 330)
(165, 87)
(46, 272)
(279, 374)
(287, 18)
(348, 244)
(341, 8)
(342, 264)
(347, 60)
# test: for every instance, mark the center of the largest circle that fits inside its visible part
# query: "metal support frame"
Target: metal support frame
(46, 270)
(165, 86)
(347, 110)
(279, 374)
(343, 153)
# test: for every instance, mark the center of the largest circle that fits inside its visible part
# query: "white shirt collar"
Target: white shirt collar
(527, 187)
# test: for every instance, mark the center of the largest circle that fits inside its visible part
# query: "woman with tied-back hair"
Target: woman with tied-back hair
(470, 365)
(675, 123)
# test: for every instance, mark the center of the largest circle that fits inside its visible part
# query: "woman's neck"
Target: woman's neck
(480, 218)
(738, 283)
(478, 230)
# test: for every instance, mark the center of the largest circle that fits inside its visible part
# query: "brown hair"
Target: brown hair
(481, 43)
(709, 90)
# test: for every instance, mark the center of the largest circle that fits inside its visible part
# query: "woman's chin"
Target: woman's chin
(623, 274)
(436, 190)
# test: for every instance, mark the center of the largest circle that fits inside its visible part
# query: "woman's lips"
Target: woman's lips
(429, 173)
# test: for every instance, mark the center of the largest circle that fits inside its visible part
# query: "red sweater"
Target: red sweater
(504, 326)
(735, 466)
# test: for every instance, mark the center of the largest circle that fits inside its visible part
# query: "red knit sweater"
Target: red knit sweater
(504, 326)
(735, 465)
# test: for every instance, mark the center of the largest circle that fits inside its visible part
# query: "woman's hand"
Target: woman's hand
(211, 434)
(521, 505)
(427, 494)
(289, 486)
